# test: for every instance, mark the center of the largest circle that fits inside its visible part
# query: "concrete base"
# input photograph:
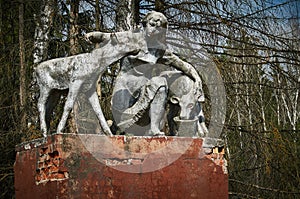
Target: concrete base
(94, 166)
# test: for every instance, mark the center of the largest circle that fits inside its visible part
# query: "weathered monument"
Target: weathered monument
(167, 152)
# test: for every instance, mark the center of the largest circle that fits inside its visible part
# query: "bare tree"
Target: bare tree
(255, 45)
(22, 77)
(127, 15)
(44, 21)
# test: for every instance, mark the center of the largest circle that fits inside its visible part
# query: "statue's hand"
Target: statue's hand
(89, 37)
(96, 37)
(199, 91)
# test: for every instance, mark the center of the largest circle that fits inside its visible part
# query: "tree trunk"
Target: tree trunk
(99, 19)
(23, 91)
(99, 23)
(74, 29)
(1, 24)
(74, 49)
(43, 25)
(127, 15)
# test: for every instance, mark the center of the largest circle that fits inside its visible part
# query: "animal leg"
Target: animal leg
(149, 91)
(44, 94)
(73, 93)
(157, 110)
(202, 129)
(94, 101)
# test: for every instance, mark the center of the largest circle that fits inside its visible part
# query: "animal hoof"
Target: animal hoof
(155, 133)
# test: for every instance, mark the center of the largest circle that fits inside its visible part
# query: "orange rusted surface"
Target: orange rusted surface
(63, 166)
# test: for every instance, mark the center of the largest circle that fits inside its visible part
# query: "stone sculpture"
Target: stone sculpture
(79, 73)
(139, 89)
(185, 112)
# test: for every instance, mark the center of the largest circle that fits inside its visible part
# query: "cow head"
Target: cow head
(184, 94)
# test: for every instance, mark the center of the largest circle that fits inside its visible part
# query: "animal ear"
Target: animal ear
(175, 100)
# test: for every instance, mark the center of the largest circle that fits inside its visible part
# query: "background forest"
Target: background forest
(254, 43)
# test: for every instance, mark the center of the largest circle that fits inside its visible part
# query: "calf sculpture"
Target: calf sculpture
(185, 104)
(79, 73)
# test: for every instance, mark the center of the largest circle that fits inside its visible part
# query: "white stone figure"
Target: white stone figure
(137, 91)
(184, 107)
(79, 73)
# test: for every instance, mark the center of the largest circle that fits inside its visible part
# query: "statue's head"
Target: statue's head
(155, 24)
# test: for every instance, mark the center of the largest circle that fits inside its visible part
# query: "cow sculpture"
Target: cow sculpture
(79, 73)
(184, 106)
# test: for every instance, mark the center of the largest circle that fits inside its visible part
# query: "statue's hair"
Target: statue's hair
(150, 14)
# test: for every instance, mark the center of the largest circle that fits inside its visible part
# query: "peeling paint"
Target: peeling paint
(73, 172)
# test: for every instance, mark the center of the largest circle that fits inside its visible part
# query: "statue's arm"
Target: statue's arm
(171, 59)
